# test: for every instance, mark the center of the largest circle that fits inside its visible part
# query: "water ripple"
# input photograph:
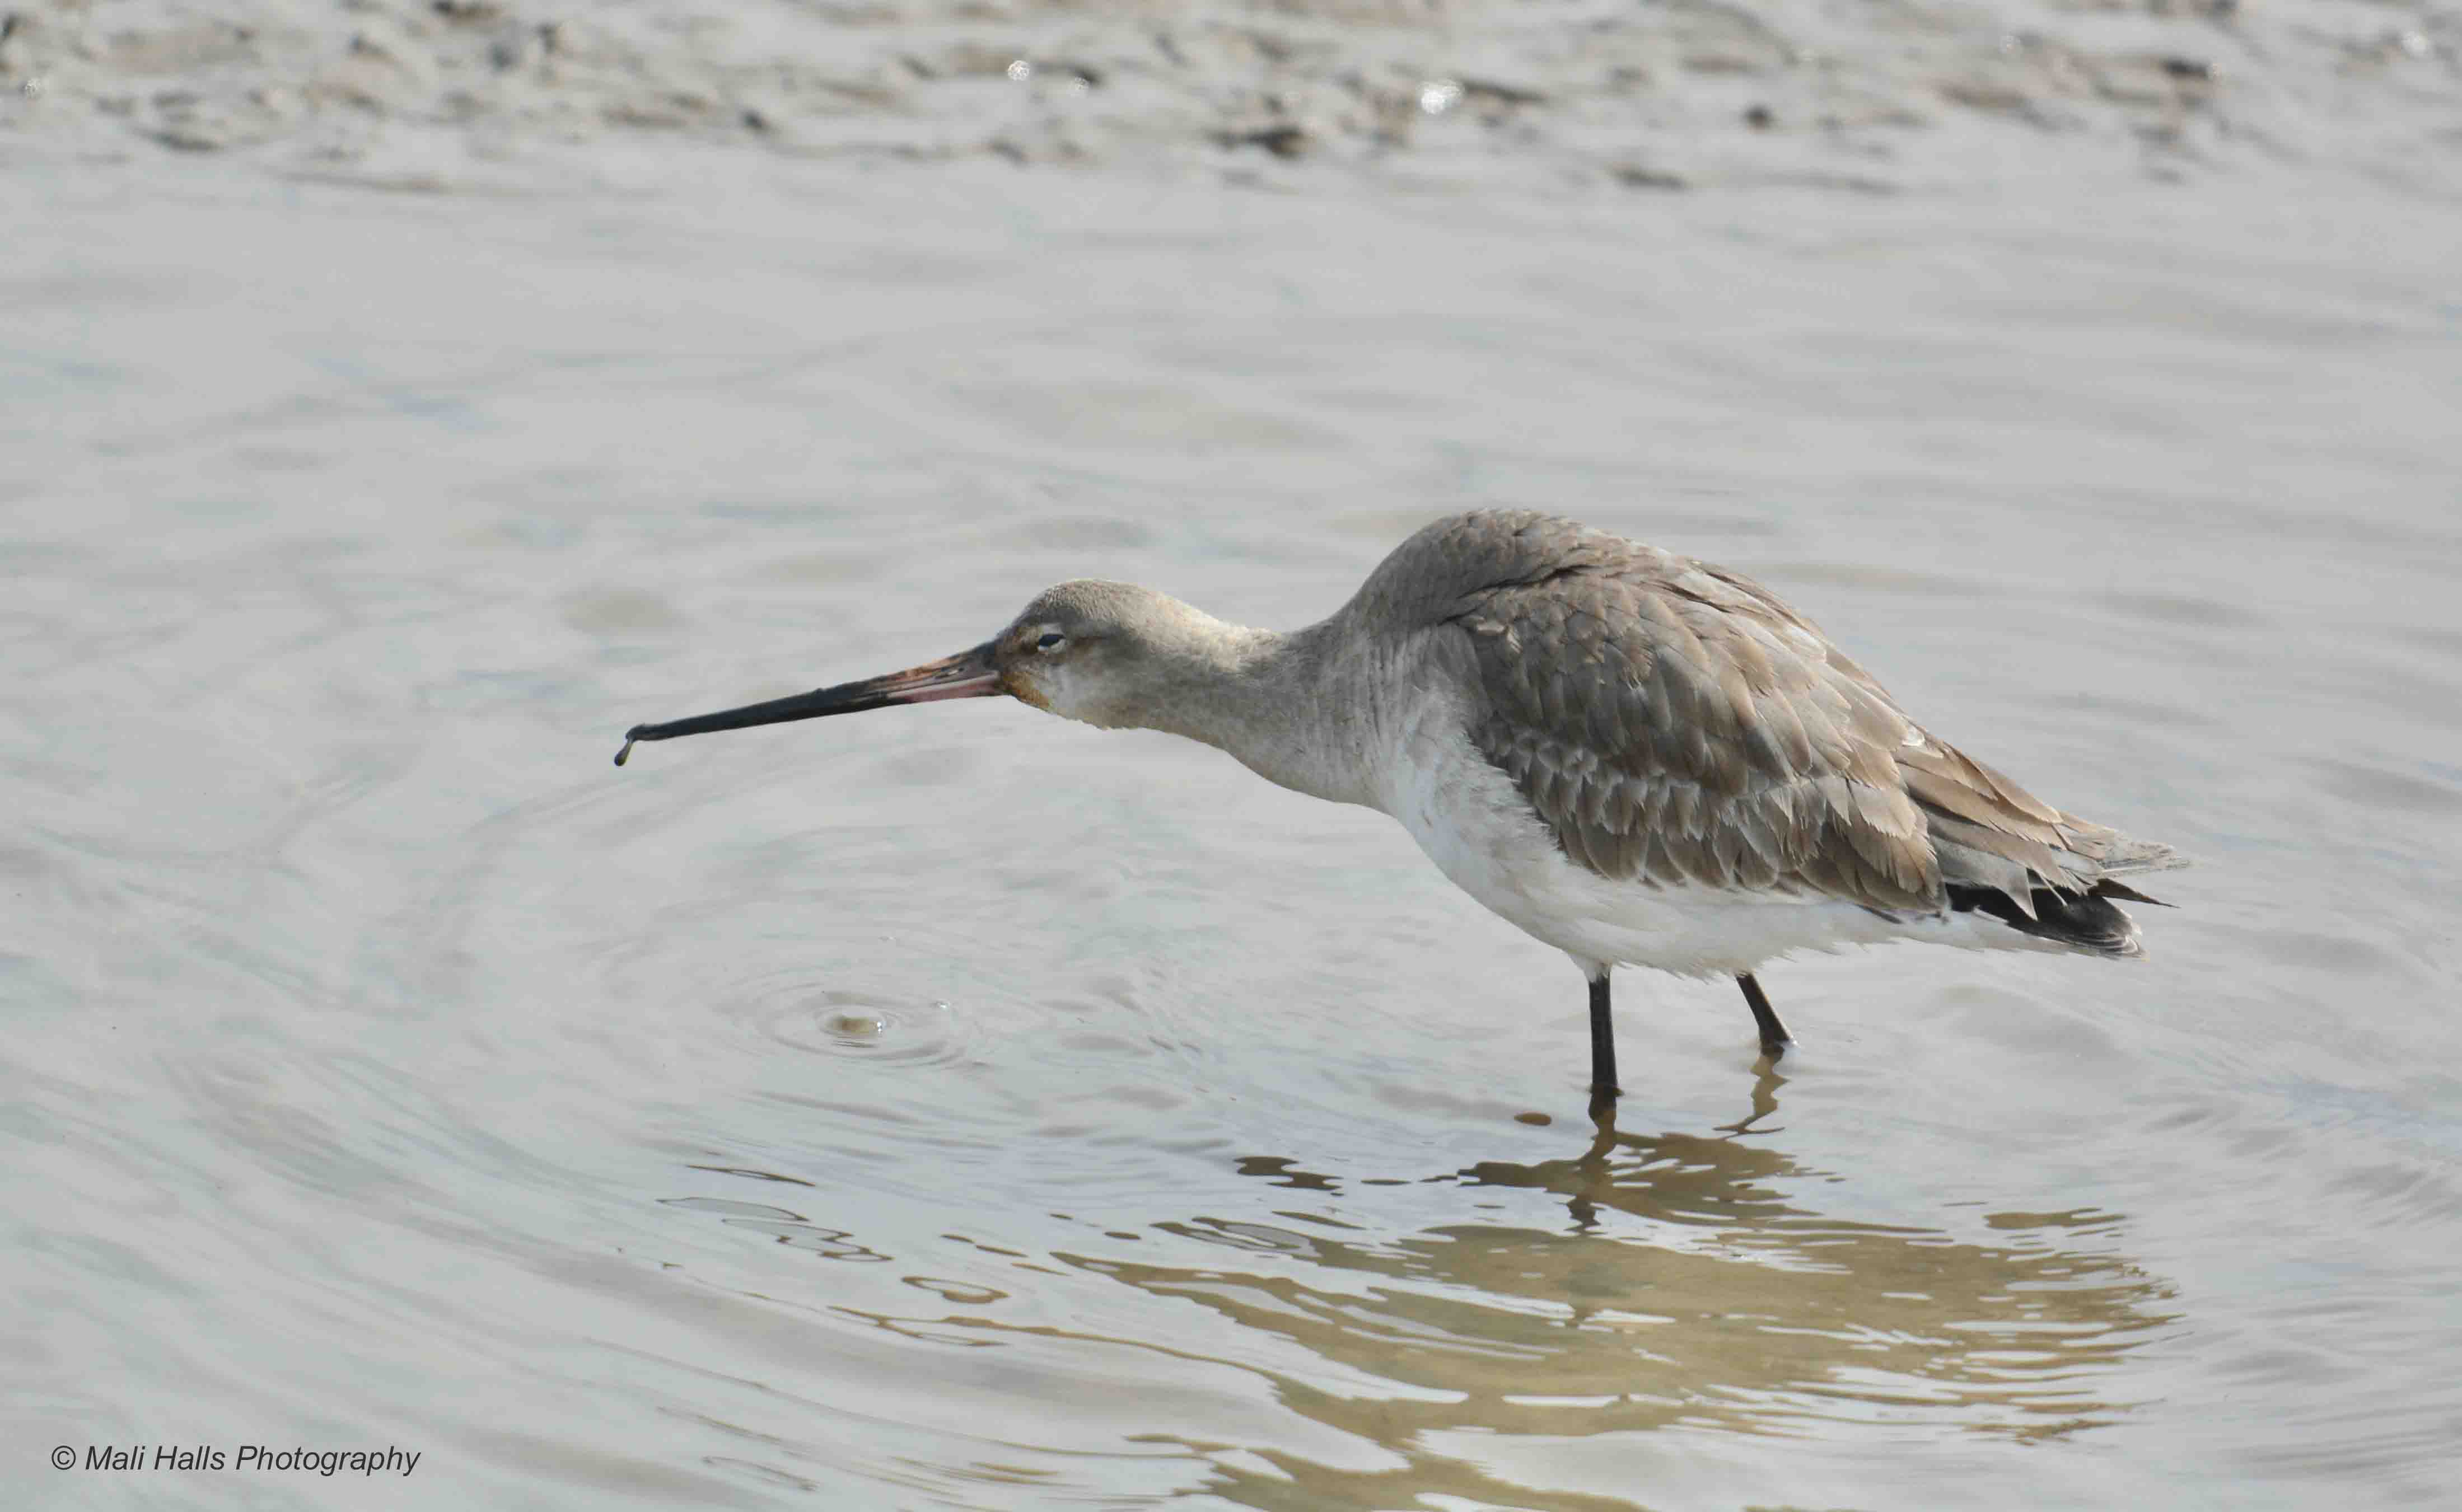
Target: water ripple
(792, 1009)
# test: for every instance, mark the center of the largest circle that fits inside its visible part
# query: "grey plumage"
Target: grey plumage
(1633, 756)
(1685, 728)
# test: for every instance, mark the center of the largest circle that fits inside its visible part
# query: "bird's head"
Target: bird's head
(1102, 652)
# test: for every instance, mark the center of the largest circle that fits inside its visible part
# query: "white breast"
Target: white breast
(1472, 821)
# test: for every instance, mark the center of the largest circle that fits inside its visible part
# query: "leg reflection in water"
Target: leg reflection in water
(1593, 1164)
(1558, 1314)
(1650, 1280)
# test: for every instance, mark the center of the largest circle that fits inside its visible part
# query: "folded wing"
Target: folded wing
(1676, 724)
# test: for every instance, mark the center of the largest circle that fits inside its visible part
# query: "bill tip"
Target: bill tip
(626, 751)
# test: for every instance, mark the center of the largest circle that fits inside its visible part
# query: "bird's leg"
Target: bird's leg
(1774, 1036)
(1603, 1071)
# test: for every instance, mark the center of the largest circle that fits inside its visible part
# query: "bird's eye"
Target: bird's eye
(1050, 641)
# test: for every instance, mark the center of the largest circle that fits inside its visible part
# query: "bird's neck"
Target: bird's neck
(1281, 703)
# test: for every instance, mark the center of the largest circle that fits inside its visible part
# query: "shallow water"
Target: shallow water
(962, 1108)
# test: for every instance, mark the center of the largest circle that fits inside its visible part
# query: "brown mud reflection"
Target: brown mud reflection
(1689, 1286)
(1692, 1284)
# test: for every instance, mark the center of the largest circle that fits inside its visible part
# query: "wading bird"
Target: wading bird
(1636, 757)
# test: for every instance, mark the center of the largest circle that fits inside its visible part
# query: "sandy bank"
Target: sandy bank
(1676, 93)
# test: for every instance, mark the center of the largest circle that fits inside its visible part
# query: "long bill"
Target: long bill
(967, 675)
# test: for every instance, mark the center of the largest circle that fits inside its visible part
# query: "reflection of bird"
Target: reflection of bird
(1705, 1283)
(1633, 756)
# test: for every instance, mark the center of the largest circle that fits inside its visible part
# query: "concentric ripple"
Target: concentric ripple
(793, 1010)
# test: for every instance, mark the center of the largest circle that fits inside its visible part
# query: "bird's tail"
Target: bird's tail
(2088, 921)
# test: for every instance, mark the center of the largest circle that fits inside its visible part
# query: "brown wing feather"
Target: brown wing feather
(1677, 725)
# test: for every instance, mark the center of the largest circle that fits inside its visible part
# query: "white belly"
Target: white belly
(1483, 834)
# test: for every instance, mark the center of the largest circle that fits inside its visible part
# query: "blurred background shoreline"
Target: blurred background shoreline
(1551, 99)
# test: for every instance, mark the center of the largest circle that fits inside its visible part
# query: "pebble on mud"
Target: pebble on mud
(1634, 177)
(1282, 141)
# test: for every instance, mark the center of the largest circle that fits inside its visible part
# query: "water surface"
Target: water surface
(958, 1107)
